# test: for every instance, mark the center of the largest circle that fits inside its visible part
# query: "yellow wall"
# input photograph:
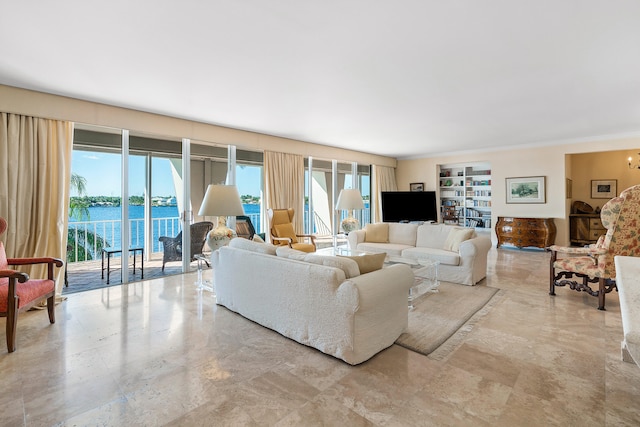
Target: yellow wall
(555, 162)
(38, 104)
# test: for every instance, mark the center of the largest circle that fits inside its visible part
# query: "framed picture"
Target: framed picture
(604, 188)
(416, 186)
(529, 189)
(569, 188)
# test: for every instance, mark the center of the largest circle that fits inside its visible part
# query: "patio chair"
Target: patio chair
(19, 293)
(244, 227)
(172, 246)
(283, 233)
(595, 263)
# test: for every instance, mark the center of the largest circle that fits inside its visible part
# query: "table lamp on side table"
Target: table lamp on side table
(221, 201)
(350, 199)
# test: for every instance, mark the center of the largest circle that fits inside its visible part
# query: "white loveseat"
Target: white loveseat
(462, 252)
(330, 307)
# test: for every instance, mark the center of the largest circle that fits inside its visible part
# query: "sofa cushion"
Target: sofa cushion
(455, 237)
(392, 249)
(376, 233)
(433, 235)
(443, 256)
(290, 253)
(252, 246)
(405, 234)
(367, 263)
(285, 230)
(349, 266)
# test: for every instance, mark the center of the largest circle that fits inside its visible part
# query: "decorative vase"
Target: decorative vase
(350, 224)
(221, 235)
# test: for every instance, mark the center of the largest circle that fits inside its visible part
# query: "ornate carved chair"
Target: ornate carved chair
(18, 293)
(172, 246)
(283, 233)
(595, 263)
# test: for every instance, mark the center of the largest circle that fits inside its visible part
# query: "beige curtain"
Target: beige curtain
(35, 168)
(384, 179)
(284, 184)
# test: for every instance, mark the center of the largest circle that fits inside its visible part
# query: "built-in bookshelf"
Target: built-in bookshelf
(466, 190)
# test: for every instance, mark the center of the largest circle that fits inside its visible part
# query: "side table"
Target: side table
(111, 251)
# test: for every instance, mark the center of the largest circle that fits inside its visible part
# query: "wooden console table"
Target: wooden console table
(526, 232)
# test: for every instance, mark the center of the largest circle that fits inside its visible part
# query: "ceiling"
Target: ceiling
(402, 78)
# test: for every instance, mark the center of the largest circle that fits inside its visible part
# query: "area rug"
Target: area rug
(437, 316)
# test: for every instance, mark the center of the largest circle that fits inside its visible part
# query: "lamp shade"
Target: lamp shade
(349, 199)
(221, 200)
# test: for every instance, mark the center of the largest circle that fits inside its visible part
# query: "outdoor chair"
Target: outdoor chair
(19, 293)
(595, 263)
(244, 227)
(172, 246)
(283, 233)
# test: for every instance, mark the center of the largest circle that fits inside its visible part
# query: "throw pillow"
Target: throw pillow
(257, 238)
(457, 236)
(376, 233)
(290, 253)
(349, 267)
(248, 245)
(286, 230)
(368, 263)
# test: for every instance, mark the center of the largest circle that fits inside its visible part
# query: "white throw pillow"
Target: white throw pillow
(248, 245)
(349, 266)
(457, 236)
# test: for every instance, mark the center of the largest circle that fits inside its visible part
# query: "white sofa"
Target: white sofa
(628, 284)
(464, 263)
(329, 307)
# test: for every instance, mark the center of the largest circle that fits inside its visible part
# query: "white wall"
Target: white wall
(552, 161)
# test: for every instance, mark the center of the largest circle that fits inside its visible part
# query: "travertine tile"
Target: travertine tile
(160, 353)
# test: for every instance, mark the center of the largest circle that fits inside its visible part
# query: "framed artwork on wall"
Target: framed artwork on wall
(416, 186)
(569, 188)
(604, 188)
(528, 189)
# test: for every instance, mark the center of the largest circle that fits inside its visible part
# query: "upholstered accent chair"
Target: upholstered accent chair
(172, 246)
(19, 293)
(283, 232)
(595, 263)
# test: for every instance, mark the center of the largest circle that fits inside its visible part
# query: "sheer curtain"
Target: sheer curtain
(384, 179)
(284, 184)
(35, 168)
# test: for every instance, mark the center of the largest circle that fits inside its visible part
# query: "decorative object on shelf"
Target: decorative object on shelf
(604, 188)
(416, 186)
(221, 201)
(633, 165)
(530, 189)
(348, 200)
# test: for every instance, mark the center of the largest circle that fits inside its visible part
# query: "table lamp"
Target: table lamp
(350, 199)
(221, 201)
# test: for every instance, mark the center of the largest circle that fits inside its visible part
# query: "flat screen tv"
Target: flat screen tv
(401, 206)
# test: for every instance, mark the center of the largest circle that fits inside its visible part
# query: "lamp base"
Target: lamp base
(350, 224)
(220, 236)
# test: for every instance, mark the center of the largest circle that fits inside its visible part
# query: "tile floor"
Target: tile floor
(158, 353)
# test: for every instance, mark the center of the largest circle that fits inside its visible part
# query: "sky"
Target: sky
(102, 172)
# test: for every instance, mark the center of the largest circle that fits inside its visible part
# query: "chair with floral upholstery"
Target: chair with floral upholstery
(18, 293)
(283, 233)
(595, 263)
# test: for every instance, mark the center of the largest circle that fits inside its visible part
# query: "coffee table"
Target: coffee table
(426, 280)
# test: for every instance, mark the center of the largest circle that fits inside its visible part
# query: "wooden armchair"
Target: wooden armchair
(172, 246)
(283, 233)
(595, 263)
(18, 293)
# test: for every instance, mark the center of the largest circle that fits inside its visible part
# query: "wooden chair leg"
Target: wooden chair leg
(601, 293)
(12, 320)
(51, 308)
(552, 282)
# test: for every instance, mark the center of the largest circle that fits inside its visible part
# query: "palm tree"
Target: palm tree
(89, 244)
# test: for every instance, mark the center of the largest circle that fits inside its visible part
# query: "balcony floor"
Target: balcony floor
(85, 276)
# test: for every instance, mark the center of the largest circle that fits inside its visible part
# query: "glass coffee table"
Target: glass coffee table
(426, 280)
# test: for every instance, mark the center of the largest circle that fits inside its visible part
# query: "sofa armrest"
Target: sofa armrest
(476, 246)
(354, 238)
(377, 287)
